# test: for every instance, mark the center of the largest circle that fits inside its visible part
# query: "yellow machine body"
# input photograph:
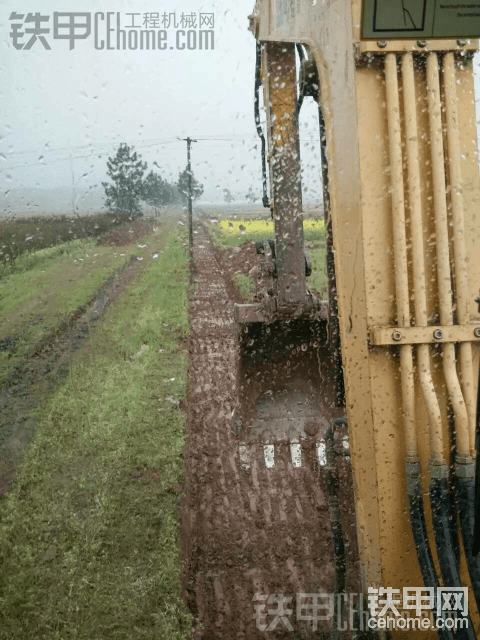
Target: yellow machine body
(396, 350)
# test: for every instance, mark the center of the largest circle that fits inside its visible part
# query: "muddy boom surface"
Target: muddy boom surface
(248, 531)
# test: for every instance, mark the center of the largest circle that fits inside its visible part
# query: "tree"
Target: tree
(182, 186)
(227, 196)
(251, 197)
(126, 170)
(155, 191)
(158, 192)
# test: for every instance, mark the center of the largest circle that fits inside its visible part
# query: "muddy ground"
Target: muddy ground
(251, 535)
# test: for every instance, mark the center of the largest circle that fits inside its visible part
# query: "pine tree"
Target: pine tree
(227, 196)
(126, 170)
(251, 197)
(182, 186)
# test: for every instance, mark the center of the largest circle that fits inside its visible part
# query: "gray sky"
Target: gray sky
(84, 102)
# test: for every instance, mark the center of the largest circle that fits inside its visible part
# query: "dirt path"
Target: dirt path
(38, 375)
(248, 532)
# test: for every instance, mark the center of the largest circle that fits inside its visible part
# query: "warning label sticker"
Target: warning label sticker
(421, 19)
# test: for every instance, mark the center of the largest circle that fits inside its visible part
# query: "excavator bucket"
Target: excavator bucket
(287, 390)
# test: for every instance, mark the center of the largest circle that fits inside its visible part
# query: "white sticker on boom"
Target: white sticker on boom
(322, 453)
(244, 456)
(296, 453)
(269, 455)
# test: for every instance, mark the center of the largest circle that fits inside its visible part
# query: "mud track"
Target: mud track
(38, 375)
(247, 531)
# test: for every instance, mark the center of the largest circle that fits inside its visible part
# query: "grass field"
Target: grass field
(230, 233)
(89, 535)
(47, 286)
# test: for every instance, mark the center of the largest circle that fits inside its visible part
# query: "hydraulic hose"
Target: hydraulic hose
(468, 494)
(301, 56)
(420, 536)
(445, 546)
(459, 245)
(453, 496)
(466, 503)
(440, 502)
(333, 323)
(258, 84)
(438, 486)
(476, 529)
(332, 484)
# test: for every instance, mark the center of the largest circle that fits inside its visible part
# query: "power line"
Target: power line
(114, 142)
(99, 154)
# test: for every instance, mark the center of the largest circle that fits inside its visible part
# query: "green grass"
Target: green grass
(318, 279)
(228, 233)
(50, 284)
(245, 285)
(89, 535)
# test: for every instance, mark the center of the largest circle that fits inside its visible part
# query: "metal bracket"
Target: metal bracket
(416, 46)
(385, 336)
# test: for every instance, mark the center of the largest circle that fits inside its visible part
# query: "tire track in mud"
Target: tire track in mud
(41, 370)
(245, 531)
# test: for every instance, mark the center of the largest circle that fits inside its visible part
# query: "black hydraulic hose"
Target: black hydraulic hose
(466, 502)
(420, 536)
(332, 484)
(258, 84)
(439, 500)
(468, 495)
(301, 55)
(452, 495)
(476, 529)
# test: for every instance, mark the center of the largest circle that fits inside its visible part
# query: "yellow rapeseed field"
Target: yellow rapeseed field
(262, 227)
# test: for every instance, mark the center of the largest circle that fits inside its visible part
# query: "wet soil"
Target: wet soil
(32, 381)
(127, 234)
(251, 535)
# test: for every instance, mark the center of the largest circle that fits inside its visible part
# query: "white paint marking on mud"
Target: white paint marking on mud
(269, 455)
(296, 453)
(322, 453)
(244, 454)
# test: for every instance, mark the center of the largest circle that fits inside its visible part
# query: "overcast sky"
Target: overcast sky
(59, 103)
(83, 102)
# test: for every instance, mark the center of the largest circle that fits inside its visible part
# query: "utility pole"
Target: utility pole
(190, 196)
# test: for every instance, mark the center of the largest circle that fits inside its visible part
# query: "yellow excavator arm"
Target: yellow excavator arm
(394, 82)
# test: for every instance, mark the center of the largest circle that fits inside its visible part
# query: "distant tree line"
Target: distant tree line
(129, 185)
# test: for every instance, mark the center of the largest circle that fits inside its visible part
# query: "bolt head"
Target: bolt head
(476, 332)
(461, 42)
(396, 335)
(381, 44)
(438, 334)
(421, 43)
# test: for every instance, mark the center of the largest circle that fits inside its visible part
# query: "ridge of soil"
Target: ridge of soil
(126, 234)
(240, 259)
(37, 375)
(247, 533)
